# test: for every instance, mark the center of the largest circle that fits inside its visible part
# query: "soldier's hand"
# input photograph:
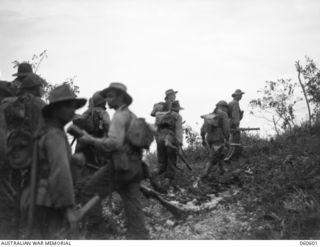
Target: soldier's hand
(85, 138)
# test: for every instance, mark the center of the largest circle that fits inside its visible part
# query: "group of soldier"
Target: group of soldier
(48, 181)
(217, 136)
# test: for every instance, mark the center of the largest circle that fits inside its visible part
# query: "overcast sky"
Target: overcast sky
(205, 49)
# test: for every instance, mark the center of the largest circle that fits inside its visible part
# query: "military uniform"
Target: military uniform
(22, 115)
(235, 118)
(124, 172)
(216, 138)
(55, 191)
(102, 121)
(169, 138)
(167, 155)
(94, 158)
(235, 115)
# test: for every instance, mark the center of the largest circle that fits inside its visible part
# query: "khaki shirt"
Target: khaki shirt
(216, 135)
(157, 108)
(55, 187)
(236, 114)
(117, 131)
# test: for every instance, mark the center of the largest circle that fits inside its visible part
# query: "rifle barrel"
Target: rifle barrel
(33, 188)
(184, 161)
(248, 129)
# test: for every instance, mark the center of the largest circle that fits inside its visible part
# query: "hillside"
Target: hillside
(272, 192)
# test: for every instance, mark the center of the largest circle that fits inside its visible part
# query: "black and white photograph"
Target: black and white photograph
(159, 120)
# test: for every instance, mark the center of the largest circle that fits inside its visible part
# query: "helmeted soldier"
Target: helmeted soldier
(125, 172)
(215, 133)
(95, 121)
(54, 192)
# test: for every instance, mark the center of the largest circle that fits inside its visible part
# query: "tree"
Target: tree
(310, 84)
(68, 81)
(277, 101)
(192, 137)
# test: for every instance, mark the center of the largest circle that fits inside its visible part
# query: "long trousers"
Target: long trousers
(216, 156)
(167, 159)
(102, 184)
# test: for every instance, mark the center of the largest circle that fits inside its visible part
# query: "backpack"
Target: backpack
(166, 119)
(140, 134)
(230, 109)
(20, 137)
(7, 89)
(212, 120)
(89, 121)
(20, 148)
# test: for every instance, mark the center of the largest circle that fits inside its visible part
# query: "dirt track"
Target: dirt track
(213, 212)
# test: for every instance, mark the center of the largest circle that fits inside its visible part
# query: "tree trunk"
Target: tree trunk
(298, 67)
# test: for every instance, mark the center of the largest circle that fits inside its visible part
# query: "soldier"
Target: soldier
(125, 171)
(164, 106)
(235, 115)
(96, 122)
(169, 139)
(23, 117)
(6, 90)
(24, 69)
(53, 191)
(215, 132)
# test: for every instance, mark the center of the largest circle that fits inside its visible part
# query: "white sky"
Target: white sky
(205, 49)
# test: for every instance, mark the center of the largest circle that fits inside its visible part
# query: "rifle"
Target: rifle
(184, 161)
(33, 184)
(169, 144)
(149, 193)
(248, 129)
(244, 129)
